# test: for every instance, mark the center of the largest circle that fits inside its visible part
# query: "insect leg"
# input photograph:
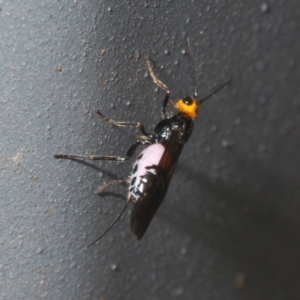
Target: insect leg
(161, 85)
(123, 124)
(104, 157)
(167, 99)
(111, 183)
(215, 91)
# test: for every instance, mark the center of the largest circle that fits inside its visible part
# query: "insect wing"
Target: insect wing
(147, 205)
(155, 187)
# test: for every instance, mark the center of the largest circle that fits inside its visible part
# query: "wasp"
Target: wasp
(155, 165)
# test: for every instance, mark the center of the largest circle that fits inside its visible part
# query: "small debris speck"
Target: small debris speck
(264, 7)
(137, 55)
(225, 143)
(183, 251)
(240, 280)
(261, 148)
(114, 267)
(237, 121)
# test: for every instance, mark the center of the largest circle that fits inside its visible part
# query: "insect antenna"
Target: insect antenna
(109, 228)
(194, 77)
(192, 63)
(215, 91)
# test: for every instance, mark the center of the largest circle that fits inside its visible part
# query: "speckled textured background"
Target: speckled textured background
(229, 225)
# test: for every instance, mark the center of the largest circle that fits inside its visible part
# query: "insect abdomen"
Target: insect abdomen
(149, 157)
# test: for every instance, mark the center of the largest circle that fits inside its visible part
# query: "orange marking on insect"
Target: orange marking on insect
(188, 106)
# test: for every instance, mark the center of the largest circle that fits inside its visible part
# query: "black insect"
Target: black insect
(155, 165)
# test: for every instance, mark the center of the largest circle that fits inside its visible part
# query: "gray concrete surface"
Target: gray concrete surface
(229, 225)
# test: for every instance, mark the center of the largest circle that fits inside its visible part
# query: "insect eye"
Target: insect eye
(188, 101)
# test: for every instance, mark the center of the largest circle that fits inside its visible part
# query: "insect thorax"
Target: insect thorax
(176, 122)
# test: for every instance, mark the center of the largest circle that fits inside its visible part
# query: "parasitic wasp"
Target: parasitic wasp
(154, 167)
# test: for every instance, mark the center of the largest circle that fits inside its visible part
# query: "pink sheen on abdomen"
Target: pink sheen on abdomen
(151, 156)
